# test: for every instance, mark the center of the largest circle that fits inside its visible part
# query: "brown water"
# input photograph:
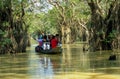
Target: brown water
(73, 63)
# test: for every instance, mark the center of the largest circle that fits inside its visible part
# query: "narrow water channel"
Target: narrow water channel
(73, 63)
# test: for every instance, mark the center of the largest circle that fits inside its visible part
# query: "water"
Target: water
(73, 63)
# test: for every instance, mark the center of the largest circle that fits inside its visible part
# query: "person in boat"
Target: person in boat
(45, 38)
(54, 42)
(46, 43)
(50, 38)
(58, 38)
(40, 40)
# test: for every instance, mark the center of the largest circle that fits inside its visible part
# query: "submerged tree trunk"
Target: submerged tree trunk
(15, 30)
(104, 31)
(66, 35)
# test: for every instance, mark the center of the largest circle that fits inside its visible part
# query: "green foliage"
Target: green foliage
(2, 33)
(41, 21)
(106, 40)
(49, 21)
(4, 40)
(112, 34)
(110, 37)
(1, 4)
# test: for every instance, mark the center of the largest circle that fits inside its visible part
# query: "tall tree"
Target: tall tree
(68, 19)
(105, 24)
(13, 26)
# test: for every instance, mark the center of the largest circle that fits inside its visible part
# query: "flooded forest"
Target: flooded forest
(89, 33)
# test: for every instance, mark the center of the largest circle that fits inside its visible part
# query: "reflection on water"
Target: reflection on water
(73, 63)
(42, 68)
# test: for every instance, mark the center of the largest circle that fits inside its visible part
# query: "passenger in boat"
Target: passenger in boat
(58, 38)
(39, 47)
(40, 41)
(45, 38)
(54, 42)
(50, 38)
(46, 43)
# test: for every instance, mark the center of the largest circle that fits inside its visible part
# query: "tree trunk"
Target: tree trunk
(104, 31)
(66, 35)
(15, 28)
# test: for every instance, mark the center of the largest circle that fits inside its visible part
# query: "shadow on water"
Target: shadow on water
(73, 63)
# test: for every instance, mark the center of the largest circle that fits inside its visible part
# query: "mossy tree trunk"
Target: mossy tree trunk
(105, 29)
(20, 31)
(15, 30)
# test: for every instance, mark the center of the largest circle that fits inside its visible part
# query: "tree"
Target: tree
(13, 27)
(105, 24)
(69, 20)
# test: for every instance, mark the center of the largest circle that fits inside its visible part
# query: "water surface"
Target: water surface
(73, 63)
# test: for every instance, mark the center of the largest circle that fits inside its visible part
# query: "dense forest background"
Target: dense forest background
(97, 22)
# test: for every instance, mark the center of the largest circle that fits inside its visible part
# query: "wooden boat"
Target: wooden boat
(56, 50)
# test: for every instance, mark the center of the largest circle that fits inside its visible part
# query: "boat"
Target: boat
(57, 50)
